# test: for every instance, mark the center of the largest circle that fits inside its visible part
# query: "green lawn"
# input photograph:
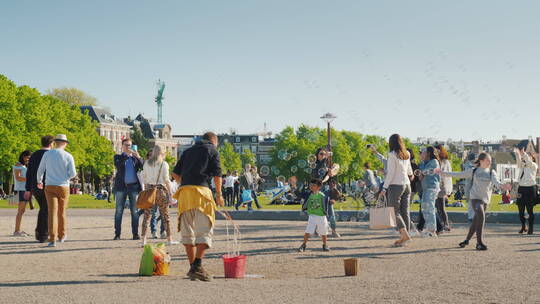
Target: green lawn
(88, 202)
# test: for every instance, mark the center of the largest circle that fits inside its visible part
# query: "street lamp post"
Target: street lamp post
(328, 118)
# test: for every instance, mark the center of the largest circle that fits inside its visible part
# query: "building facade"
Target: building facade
(110, 126)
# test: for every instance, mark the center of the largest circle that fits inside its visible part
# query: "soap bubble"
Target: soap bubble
(294, 169)
(307, 170)
(312, 158)
(281, 154)
(294, 153)
(287, 156)
(264, 171)
(312, 165)
(322, 171)
(302, 163)
(281, 178)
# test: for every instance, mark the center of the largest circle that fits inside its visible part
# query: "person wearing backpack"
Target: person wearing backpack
(482, 179)
(527, 188)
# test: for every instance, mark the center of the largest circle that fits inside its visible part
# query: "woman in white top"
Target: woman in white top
(19, 183)
(398, 185)
(527, 188)
(446, 187)
(155, 174)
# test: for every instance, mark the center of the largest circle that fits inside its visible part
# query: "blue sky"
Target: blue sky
(443, 69)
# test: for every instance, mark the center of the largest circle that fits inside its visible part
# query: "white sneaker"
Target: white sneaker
(63, 240)
(20, 233)
(173, 243)
(164, 235)
(154, 235)
(51, 244)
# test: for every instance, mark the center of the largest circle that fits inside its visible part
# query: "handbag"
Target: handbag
(382, 217)
(147, 198)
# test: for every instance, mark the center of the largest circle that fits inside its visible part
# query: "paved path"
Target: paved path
(91, 268)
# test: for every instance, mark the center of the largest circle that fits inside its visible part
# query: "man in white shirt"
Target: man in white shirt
(229, 188)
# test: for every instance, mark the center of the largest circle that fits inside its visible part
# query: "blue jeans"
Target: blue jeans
(121, 197)
(428, 208)
(154, 219)
(331, 216)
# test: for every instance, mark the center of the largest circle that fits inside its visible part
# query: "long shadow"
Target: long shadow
(59, 283)
(118, 275)
(19, 242)
(376, 254)
(53, 250)
(528, 250)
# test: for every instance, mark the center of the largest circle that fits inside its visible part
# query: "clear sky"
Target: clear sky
(443, 69)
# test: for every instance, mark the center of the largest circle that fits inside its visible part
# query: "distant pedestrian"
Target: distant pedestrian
(446, 187)
(19, 183)
(430, 189)
(60, 168)
(126, 186)
(527, 188)
(196, 219)
(42, 229)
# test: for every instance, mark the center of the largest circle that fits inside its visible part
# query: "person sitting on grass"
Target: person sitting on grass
(317, 222)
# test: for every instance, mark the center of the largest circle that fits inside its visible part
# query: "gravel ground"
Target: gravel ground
(91, 268)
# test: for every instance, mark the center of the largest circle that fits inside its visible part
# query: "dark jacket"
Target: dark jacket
(120, 165)
(198, 164)
(31, 172)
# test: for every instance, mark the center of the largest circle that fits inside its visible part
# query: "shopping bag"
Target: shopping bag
(162, 259)
(246, 196)
(146, 267)
(381, 216)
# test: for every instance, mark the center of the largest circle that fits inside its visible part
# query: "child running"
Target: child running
(315, 206)
(482, 178)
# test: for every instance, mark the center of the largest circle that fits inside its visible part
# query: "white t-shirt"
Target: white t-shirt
(398, 171)
(150, 173)
(229, 181)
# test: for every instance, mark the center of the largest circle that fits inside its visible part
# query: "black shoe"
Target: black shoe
(116, 237)
(136, 237)
(481, 247)
(464, 243)
(523, 229)
(302, 248)
(325, 248)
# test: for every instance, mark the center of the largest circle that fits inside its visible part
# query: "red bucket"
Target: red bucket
(235, 266)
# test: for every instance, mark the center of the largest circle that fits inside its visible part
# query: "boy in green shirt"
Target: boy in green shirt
(316, 208)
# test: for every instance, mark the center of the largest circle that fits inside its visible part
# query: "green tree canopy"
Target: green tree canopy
(230, 160)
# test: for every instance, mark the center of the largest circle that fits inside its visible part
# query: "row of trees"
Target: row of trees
(26, 115)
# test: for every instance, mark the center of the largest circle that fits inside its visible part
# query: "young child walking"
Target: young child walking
(482, 178)
(315, 205)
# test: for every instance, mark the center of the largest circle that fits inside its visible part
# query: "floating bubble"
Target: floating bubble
(312, 158)
(302, 163)
(287, 156)
(275, 171)
(281, 178)
(322, 172)
(294, 169)
(333, 142)
(312, 165)
(307, 170)
(264, 171)
(294, 153)
(281, 154)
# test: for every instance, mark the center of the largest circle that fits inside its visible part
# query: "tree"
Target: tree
(73, 96)
(230, 160)
(248, 157)
(171, 161)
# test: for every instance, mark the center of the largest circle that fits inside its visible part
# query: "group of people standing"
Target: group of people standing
(234, 185)
(45, 175)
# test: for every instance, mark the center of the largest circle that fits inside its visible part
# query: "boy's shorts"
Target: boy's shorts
(196, 228)
(317, 223)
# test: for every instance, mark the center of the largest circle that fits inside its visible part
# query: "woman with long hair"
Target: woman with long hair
(527, 188)
(156, 175)
(482, 178)
(430, 189)
(446, 187)
(397, 185)
(19, 183)
(321, 167)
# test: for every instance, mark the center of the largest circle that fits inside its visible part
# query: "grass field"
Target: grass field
(85, 201)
